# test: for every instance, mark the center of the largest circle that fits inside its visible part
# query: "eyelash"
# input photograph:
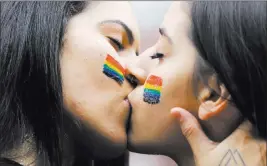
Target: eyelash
(157, 56)
(117, 43)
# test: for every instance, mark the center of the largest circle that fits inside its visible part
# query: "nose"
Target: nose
(138, 67)
(132, 80)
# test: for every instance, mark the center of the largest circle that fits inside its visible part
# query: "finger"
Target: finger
(191, 129)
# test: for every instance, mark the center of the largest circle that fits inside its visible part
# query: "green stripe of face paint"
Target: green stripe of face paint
(106, 67)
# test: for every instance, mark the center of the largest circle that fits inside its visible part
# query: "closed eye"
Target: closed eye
(115, 43)
(157, 56)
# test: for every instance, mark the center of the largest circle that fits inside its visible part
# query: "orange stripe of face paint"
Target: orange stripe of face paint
(115, 63)
(154, 80)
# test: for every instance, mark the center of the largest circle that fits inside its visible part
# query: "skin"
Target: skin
(97, 103)
(240, 148)
(176, 70)
(153, 129)
(96, 106)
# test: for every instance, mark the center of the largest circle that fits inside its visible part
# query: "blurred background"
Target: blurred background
(149, 15)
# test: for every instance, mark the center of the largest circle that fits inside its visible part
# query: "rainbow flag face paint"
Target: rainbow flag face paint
(152, 89)
(113, 69)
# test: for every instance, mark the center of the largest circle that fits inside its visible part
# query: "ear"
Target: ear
(210, 107)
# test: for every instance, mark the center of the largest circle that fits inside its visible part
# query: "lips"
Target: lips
(128, 122)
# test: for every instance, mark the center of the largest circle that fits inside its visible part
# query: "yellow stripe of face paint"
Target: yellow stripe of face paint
(149, 86)
(114, 68)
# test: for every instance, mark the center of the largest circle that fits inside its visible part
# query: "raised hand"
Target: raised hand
(238, 149)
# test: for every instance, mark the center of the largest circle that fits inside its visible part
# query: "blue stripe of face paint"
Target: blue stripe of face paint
(112, 72)
(109, 68)
(151, 96)
(113, 77)
(152, 92)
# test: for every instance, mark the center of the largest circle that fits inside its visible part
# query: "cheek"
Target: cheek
(81, 72)
(176, 91)
(91, 97)
(153, 128)
(178, 88)
(149, 121)
(88, 93)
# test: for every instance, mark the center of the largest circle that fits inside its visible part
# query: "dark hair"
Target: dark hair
(31, 89)
(231, 38)
(7, 162)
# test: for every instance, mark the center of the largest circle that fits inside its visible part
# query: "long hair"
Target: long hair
(231, 38)
(31, 100)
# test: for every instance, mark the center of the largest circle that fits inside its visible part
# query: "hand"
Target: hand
(239, 149)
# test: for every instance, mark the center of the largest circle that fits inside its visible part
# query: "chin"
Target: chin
(97, 145)
(105, 147)
(105, 151)
(164, 145)
(137, 145)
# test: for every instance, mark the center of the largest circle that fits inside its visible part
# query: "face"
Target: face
(153, 129)
(95, 100)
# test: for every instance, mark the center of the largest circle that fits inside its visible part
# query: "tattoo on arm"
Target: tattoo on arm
(232, 158)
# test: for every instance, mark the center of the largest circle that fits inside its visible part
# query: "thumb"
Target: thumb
(192, 131)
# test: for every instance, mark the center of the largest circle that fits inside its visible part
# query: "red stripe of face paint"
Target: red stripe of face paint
(154, 80)
(111, 60)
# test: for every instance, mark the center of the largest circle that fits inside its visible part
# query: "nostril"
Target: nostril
(132, 80)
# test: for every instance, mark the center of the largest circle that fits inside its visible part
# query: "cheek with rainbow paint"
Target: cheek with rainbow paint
(113, 69)
(152, 90)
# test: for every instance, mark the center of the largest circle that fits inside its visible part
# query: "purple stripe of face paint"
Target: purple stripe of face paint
(151, 97)
(114, 76)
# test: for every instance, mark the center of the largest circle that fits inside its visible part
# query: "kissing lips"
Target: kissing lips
(128, 122)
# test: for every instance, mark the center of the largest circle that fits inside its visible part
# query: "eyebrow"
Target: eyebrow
(128, 31)
(163, 32)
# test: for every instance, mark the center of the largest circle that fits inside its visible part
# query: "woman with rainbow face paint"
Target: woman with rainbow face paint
(65, 82)
(67, 69)
(212, 65)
